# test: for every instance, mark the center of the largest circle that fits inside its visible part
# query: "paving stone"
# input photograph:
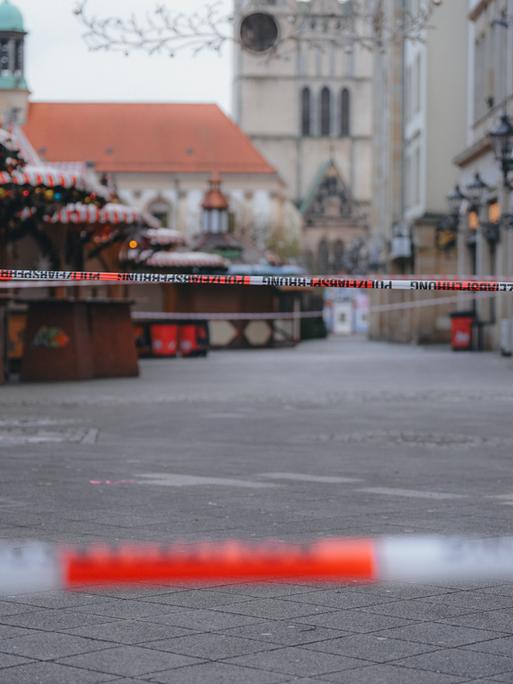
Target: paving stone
(460, 662)
(123, 608)
(212, 646)
(11, 608)
(493, 620)
(56, 599)
(297, 661)
(50, 646)
(131, 661)
(52, 673)
(419, 609)
(439, 634)
(337, 599)
(202, 620)
(501, 646)
(370, 647)
(473, 600)
(355, 621)
(217, 673)
(390, 674)
(198, 598)
(8, 632)
(129, 632)
(275, 609)
(7, 661)
(285, 633)
(53, 619)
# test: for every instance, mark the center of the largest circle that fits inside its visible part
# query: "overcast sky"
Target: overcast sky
(59, 66)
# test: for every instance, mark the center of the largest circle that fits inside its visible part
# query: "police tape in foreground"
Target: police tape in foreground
(38, 567)
(383, 283)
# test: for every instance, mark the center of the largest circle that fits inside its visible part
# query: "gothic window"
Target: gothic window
(325, 111)
(323, 257)
(345, 113)
(338, 256)
(306, 114)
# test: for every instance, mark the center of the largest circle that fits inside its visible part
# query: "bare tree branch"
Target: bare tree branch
(159, 31)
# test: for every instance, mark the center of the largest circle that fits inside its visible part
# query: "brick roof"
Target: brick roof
(135, 138)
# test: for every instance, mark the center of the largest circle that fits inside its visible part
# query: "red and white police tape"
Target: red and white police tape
(382, 283)
(38, 567)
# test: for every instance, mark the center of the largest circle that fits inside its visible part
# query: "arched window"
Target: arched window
(306, 112)
(162, 211)
(338, 256)
(323, 261)
(345, 113)
(325, 113)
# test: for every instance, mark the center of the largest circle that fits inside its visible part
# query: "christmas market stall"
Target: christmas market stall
(165, 324)
(56, 218)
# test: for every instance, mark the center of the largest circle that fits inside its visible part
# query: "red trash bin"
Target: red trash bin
(462, 323)
(193, 339)
(164, 339)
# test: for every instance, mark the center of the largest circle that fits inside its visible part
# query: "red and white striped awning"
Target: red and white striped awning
(164, 236)
(45, 176)
(185, 260)
(110, 213)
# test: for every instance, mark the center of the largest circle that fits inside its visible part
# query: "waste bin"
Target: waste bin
(462, 323)
(164, 339)
(193, 339)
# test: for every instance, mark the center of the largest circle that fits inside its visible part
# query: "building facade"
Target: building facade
(158, 157)
(485, 239)
(419, 123)
(307, 106)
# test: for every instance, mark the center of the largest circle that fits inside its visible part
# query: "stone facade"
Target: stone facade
(305, 105)
(420, 108)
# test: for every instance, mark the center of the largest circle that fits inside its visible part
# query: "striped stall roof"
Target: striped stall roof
(110, 213)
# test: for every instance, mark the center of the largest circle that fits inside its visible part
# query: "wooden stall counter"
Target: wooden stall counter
(67, 339)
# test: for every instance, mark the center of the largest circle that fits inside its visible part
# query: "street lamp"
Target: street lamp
(455, 200)
(476, 191)
(501, 138)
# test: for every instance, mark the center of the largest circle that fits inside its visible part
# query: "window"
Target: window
(345, 113)
(18, 56)
(479, 78)
(338, 256)
(325, 111)
(417, 176)
(162, 211)
(417, 84)
(324, 257)
(306, 114)
(4, 55)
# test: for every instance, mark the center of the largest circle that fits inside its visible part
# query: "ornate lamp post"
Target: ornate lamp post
(476, 191)
(455, 200)
(501, 138)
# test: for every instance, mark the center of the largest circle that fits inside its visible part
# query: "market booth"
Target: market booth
(87, 335)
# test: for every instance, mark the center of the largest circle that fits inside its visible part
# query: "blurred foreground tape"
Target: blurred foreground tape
(38, 567)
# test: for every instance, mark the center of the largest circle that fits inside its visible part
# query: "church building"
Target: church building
(160, 157)
(307, 107)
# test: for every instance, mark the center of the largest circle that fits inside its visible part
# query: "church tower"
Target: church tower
(307, 106)
(14, 92)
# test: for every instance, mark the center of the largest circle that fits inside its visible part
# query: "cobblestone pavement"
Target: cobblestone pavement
(343, 437)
